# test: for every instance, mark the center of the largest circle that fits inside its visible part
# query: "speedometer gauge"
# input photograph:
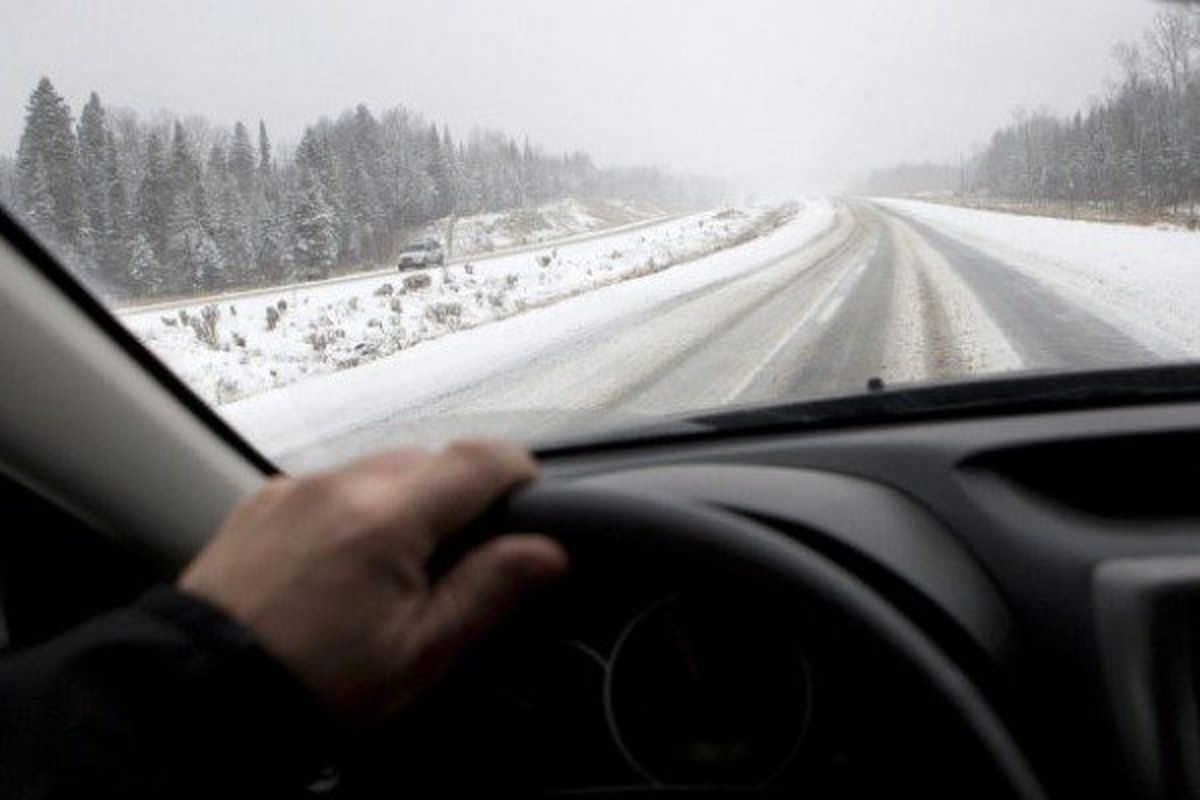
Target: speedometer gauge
(708, 692)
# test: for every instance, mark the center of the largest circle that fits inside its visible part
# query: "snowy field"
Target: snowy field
(1146, 279)
(307, 413)
(234, 349)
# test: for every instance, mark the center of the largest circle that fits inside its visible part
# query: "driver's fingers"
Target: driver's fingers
(478, 593)
(452, 489)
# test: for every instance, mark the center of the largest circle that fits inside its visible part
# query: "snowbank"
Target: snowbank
(303, 415)
(1146, 278)
(251, 343)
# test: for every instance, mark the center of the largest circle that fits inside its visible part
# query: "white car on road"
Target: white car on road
(424, 253)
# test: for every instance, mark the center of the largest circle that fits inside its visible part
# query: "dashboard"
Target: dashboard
(1059, 580)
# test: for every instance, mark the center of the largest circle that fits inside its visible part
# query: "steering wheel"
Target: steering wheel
(623, 528)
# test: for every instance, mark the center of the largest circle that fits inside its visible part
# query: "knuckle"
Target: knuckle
(499, 459)
(359, 506)
(473, 451)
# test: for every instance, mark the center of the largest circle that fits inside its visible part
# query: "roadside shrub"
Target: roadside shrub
(449, 314)
(417, 282)
(273, 316)
(228, 390)
(511, 280)
(205, 326)
(544, 261)
(386, 290)
(318, 341)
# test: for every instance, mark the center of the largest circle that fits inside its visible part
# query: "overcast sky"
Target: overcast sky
(801, 93)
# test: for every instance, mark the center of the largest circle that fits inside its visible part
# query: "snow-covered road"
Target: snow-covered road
(845, 292)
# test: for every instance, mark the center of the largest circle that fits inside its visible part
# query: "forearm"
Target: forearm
(167, 697)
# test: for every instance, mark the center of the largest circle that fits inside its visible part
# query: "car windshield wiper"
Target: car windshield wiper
(1009, 394)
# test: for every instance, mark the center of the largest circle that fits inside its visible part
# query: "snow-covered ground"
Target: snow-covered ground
(255, 342)
(1146, 279)
(303, 415)
(485, 233)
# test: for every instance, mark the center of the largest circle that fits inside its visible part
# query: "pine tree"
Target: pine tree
(145, 271)
(241, 160)
(193, 261)
(36, 200)
(93, 141)
(192, 257)
(273, 247)
(314, 228)
(119, 229)
(48, 183)
(154, 199)
(184, 172)
(266, 168)
(231, 232)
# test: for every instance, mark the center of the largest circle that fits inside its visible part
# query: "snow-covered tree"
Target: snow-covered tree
(193, 261)
(242, 160)
(49, 190)
(155, 198)
(314, 227)
(93, 141)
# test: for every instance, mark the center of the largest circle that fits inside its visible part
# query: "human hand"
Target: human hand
(330, 570)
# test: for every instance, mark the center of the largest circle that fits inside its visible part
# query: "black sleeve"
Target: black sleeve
(167, 698)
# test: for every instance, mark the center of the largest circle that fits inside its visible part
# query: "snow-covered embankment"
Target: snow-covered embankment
(232, 349)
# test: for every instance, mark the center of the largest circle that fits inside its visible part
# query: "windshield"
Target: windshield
(623, 212)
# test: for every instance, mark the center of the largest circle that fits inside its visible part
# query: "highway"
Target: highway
(878, 295)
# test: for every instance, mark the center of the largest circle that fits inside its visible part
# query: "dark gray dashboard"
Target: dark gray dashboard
(1005, 538)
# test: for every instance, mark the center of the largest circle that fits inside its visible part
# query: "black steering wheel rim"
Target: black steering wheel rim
(585, 519)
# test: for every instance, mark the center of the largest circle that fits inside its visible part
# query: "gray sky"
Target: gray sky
(796, 93)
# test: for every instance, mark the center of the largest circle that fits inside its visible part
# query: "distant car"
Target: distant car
(425, 253)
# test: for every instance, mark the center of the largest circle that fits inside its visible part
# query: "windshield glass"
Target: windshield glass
(611, 213)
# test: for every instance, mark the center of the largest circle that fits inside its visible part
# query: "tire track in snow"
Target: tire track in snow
(944, 329)
(1043, 328)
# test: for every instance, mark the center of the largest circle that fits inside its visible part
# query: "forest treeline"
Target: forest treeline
(178, 206)
(1135, 149)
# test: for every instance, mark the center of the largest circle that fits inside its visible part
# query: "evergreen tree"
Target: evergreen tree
(119, 231)
(265, 166)
(48, 182)
(241, 160)
(93, 141)
(184, 172)
(146, 276)
(314, 227)
(192, 257)
(193, 261)
(155, 199)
